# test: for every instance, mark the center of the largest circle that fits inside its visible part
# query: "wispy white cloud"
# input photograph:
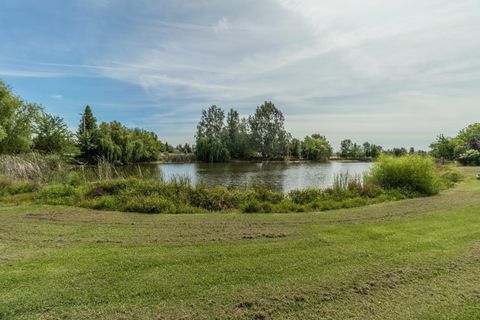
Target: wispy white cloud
(336, 67)
(221, 26)
(56, 96)
(31, 74)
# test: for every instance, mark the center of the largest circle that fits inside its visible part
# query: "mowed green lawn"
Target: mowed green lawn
(414, 259)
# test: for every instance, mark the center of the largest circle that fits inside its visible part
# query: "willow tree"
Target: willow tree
(210, 138)
(316, 148)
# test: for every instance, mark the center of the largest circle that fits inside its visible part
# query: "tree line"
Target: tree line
(114, 142)
(221, 137)
(464, 147)
(26, 127)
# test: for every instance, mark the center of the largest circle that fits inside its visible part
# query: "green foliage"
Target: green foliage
(465, 147)
(3, 133)
(371, 151)
(296, 148)
(470, 158)
(444, 148)
(316, 148)
(212, 150)
(353, 151)
(268, 135)
(450, 176)
(214, 199)
(88, 123)
(87, 137)
(397, 152)
(120, 145)
(57, 191)
(305, 196)
(14, 187)
(261, 136)
(412, 173)
(211, 123)
(255, 206)
(149, 205)
(472, 131)
(236, 135)
(211, 137)
(115, 143)
(179, 196)
(16, 122)
(52, 135)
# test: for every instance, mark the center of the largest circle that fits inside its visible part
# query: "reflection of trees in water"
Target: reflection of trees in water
(275, 176)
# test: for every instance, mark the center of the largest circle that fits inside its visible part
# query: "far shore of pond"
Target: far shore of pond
(259, 161)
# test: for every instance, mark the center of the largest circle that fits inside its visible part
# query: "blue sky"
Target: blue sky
(390, 72)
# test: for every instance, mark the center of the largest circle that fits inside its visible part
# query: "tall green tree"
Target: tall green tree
(444, 148)
(210, 138)
(121, 145)
(316, 148)
(296, 148)
(16, 122)
(52, 135)
(88, 122)
(211, 123)
(87, 136)
(268, 135)
(371, 151)
(346, 149)
(472, 131)
(233, 133)
(236, 135)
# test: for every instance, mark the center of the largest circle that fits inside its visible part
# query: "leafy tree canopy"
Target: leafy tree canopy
(52, 135)
(16, 122)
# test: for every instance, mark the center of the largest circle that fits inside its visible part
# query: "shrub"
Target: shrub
(325, 205)
(111, 187)
(265, 194)
(59, 194)
(102, 203)
(470, 158)
(12, 187)
(74, 179)
(21, 187)
(450, 176)
(214, 199)
(57, 191)
(305, 196)
(412, 173)
(255, 206)
(149, 205)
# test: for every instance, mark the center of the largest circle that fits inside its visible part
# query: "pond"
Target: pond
(278, 176)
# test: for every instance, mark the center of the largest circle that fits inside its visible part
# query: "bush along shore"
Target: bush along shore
(392, 178)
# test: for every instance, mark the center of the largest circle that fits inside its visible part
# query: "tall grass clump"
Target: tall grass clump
(34, 167)
(412, 173)
(13, 187)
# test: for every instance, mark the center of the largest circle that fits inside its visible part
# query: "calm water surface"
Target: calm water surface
(278, 176)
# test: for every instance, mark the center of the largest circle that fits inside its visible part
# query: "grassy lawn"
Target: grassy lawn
(412, 259)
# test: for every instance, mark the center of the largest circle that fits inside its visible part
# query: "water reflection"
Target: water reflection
(278, 176)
